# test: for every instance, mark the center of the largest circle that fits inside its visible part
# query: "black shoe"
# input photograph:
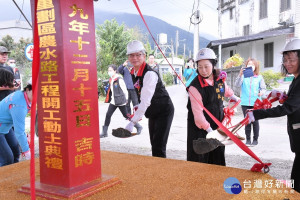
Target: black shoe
(248, 142)
(254, 143)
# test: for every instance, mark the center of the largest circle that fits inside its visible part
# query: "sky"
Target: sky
(175, 12)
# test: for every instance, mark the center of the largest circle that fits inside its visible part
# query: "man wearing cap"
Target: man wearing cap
(4, 91)
(154, 100)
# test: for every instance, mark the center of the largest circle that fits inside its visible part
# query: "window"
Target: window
(285, 5)
(231, 13)
(269, 49)
(246, 29)
(263, 9)
(231, 53)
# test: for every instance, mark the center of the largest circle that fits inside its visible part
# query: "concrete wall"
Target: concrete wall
(255, 49)
(248, 14)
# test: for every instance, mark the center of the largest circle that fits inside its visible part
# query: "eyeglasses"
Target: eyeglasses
(135, 55)
(289, 61)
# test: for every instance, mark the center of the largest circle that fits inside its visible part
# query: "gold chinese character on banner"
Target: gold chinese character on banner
(47, 41)
(51, 102)
(52, 139)
(84, 144)
(53, 150)
(75, 9)
(81, 73)
(51, 115)
(44, 4)
(82, 89)
(82, 105)
(49, 80)
(47, 54)
(80, 42)
(79, 27)
(52, 127)
(84, 159)
(54, 163)
(49, 66)
(47, 28)
(45, 16)
(83, 120)
(50, 90)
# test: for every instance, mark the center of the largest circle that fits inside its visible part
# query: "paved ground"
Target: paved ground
(273, 141)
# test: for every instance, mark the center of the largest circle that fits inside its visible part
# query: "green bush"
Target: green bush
(168, 78)
(271, 78)
(102, 75)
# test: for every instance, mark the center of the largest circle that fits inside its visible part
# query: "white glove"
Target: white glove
(130, 126)
(235, 98)
(27, 155)
(209, 130)
(135, 108)
(251, 116)
(275, 93)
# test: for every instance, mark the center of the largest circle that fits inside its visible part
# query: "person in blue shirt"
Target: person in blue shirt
(252, 88)
(13, 111)
(189, 72)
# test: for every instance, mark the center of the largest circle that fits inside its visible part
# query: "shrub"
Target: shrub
(168, 78)
(271, 78)
(234, 61)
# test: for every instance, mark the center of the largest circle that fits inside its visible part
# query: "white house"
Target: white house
(164, 66)
(256, 28)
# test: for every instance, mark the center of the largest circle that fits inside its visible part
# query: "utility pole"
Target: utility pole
(176, 43)
(184, 51)
(195, 19)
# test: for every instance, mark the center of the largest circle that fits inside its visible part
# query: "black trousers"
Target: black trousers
(159, 128)
(110, 111)
(216, 156)
(296, 172)
(132, 97)
(248, 127)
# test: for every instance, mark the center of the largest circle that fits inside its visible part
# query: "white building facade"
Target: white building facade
(256, 28)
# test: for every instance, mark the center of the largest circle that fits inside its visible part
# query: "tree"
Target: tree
(17, 53)
(112, 40)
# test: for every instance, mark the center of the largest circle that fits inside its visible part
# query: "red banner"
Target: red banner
(68, 103)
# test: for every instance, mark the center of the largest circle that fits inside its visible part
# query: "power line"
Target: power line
(22, 13)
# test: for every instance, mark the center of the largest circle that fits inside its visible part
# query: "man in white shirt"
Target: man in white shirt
(154, 100)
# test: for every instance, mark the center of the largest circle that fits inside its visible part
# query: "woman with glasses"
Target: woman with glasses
(290, 107)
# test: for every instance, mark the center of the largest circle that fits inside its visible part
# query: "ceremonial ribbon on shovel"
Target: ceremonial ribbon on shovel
(256, 167)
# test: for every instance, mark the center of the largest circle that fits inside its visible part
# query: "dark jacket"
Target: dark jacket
(4, 93)
(160, 100)
(127, 76)
(212, 98)
(291, 108)
(119, 96)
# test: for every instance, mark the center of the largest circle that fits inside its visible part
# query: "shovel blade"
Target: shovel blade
(203, 145)
(122, 133)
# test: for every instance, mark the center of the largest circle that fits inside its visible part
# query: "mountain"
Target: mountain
(156, 26)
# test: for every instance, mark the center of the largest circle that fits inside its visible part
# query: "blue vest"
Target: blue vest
(250, 89)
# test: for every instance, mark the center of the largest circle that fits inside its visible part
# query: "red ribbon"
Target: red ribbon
(229, 112)
(35, 72)
(221, 126)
